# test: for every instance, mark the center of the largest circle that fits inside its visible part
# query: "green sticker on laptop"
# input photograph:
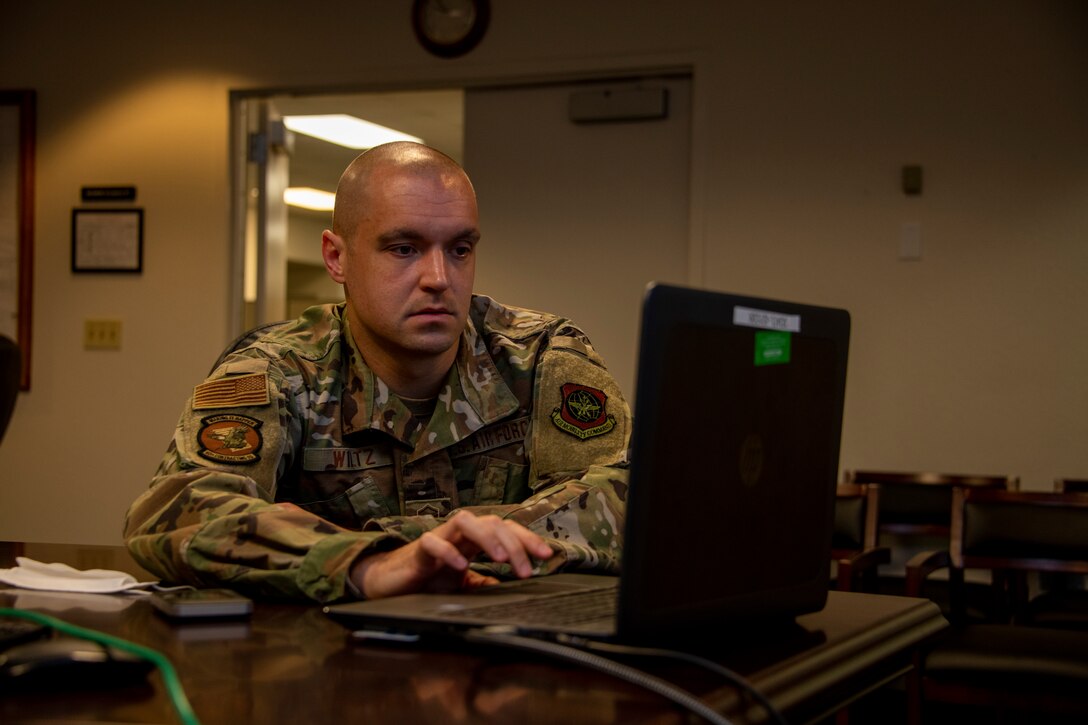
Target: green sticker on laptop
(772, 348)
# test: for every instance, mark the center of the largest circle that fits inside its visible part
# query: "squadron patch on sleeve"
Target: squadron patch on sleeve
(229, 438)
(233, 391)
(582, 412)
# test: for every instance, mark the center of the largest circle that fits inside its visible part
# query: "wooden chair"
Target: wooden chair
(247, 338)
(10, 366)
(854, 553)
(915, 515)
(853, 542)
(920, 504)
(1067, 594)
(1010, 664)
(1072, 485)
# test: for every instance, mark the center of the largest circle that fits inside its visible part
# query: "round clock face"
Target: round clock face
(449, 28)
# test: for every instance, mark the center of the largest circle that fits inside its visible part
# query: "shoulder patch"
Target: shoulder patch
(582, 412)
(233, 391)
(230, 438)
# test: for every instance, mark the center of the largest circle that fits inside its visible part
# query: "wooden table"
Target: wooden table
(290, 663)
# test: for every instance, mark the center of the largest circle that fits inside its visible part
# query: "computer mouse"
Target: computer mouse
(15, 630)
(69, 663)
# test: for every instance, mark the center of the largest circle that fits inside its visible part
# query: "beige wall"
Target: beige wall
(971, 360)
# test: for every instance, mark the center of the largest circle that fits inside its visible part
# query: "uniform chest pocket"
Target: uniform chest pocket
(498, 481)
(359, 501)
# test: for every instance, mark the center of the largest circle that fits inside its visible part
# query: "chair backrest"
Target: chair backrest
(921, 503)
(1072, 485)
(10, 372)
(1020, 530)
(855, 519)
(247, 338)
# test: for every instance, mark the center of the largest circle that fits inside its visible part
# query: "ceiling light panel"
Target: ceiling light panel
(345, 130)
(307, 198)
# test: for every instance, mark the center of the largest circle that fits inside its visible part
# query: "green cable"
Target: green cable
(166, 668)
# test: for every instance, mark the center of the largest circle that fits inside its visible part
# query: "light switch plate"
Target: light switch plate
(101, 334)
(910, 242)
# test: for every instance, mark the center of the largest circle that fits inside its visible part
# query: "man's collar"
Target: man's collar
(473, 395)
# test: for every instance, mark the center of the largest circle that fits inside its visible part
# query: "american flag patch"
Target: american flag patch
(232, 392)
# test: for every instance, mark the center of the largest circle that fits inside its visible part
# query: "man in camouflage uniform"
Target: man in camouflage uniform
(378, 446)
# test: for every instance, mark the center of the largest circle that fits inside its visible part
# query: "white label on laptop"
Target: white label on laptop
(766, 320)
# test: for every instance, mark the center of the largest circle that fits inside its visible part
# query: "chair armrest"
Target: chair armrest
(852, 567)
(920, 566)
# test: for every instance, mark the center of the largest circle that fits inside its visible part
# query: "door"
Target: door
(267, 173)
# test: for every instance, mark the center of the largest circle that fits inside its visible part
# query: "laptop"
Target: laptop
(734, 462)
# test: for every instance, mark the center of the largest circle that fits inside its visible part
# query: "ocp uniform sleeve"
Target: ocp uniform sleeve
(580, 417)
(209, 516)
(578, 446)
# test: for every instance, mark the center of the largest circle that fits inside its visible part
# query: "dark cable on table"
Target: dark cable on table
(574, 649)
(725, 673)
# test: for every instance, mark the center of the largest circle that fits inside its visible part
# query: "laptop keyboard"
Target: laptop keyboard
(556, 610)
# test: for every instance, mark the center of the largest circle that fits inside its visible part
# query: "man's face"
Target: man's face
(409, 264)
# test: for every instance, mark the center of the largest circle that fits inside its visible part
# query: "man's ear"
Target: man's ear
(332, 251)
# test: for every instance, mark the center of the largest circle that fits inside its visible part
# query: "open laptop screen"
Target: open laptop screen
(738, 422)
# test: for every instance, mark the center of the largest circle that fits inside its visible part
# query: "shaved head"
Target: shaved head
(403, 245)
(354, 193)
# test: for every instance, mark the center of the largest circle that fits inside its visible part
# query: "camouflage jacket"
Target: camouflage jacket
(293, 458)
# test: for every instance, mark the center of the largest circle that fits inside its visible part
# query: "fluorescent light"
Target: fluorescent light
(307, 198)
(339, 128)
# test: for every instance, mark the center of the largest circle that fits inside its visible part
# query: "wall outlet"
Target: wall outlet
(101, 334)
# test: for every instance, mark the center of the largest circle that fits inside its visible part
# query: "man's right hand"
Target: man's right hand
(439, 560)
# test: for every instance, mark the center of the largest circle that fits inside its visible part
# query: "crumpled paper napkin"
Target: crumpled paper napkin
(56, 577)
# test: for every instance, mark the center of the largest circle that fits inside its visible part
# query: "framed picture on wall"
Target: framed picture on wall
(107, 240)
(17, 129)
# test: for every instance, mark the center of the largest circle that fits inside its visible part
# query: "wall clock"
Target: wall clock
(449, 28)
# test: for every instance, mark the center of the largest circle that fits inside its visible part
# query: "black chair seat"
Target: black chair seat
(1010, 667)
(1029, 657)
(1061, 609)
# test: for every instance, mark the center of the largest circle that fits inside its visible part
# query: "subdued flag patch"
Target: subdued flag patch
(232, 392)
